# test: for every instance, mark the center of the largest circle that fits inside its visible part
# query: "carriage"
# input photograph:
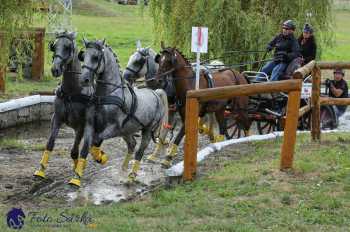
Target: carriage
(267, 111)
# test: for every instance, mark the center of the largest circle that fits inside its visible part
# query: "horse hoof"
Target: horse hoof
(103, 159)
(75, 182)
(131, 178)
(219, 138)
(152, 158)
(166, 163)
(40, 174)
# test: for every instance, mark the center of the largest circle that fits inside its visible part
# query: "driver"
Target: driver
(286, 49)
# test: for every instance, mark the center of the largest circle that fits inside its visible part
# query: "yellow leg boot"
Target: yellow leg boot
(98, 155)
(126, 162)
(75, 162)
(202, 128)
(43, 164)
(170, 156)
(247, 132)
(158, 150)
(135, 168)
(79, 171)
(219, 138)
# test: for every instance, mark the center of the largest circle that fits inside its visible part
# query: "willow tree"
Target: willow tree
(237, 24)
(15, 16)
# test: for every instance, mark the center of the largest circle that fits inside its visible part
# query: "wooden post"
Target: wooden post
(2, 68)
(290, 130)
(315, 104)
(191, 139)
(38, 54)
(2, 78)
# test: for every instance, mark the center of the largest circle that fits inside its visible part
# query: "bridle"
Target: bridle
(175, 67)
(101, 58)
(72, 48)
(144, 60)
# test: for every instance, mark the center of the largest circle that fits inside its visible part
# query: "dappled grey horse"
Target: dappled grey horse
(118, 110)
(142, 64)
(71, 99)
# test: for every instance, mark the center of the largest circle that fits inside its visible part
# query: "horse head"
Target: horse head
(94, 60)
(63, 48)
(171, 61)
(142, 64)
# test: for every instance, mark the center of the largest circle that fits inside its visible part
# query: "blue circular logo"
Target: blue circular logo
(15, 218)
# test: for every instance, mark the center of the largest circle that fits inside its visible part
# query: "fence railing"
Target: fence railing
(195, 97)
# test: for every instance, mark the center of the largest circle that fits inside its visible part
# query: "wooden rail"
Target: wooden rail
(334, 101)
(194, 97)
(303, 110)
(316, 100)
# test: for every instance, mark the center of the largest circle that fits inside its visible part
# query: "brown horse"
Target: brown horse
(173, 65)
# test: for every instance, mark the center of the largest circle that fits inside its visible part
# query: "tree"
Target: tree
(237, 24)
(15, 16)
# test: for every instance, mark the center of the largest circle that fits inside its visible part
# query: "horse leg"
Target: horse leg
(221, 121)
(172, 151)
(74, 153)
(146, 138)
(162, 140)
(55, 127)
(131, 143)
(88, 139)
(160, 146)
(98, 154)
(213, 125)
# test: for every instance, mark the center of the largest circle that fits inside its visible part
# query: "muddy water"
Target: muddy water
(101, 184)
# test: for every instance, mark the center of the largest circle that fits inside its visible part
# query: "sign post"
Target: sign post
(199, 45)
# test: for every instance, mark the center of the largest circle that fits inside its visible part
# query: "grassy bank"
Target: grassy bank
(245, 194)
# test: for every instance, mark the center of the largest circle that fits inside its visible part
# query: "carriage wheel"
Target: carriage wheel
(327, 118)
(232, 128)
(305, 122)
(266, 127)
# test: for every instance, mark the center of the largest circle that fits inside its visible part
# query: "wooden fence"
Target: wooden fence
(195, 97)
(38, 34)
(316, 100)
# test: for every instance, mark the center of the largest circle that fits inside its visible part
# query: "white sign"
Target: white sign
(306, 90)
(199, 39)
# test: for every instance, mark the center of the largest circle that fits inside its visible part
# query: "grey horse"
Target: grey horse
(142, 64)
(118, 110)
(71, 99)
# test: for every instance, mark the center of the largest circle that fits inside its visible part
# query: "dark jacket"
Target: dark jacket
(343, 86)
(286, 45)
(308, 49)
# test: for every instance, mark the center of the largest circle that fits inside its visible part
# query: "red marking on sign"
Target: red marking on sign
(199, 36)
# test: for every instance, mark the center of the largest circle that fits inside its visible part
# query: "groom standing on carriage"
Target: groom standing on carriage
(286, 50)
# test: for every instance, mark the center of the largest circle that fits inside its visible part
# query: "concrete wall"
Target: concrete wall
(25, 110)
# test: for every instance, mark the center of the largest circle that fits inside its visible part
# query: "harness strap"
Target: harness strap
(110, 100)
(80, 98)
(133, 108)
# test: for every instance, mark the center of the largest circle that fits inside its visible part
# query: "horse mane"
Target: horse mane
(170, 49)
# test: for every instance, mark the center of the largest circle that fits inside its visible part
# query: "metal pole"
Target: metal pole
(197, 69)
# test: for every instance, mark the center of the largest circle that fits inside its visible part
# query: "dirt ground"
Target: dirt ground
(100, 184)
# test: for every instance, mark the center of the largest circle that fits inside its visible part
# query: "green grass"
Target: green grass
(342, 38)
(11, 144)
(249, 194)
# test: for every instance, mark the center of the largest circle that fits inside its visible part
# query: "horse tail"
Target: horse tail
(161, 130)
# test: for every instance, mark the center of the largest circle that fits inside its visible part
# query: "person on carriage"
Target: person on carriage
(338, 88)
(307, 44)
(286, 50)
